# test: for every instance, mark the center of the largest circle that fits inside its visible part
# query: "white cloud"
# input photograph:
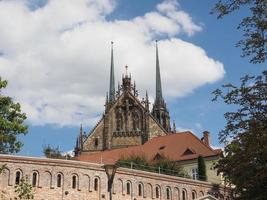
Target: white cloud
(169, 8)
(57, 57)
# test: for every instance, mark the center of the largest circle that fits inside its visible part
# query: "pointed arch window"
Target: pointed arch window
(136, 120)
(119, 120)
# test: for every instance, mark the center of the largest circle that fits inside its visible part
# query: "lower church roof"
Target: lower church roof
(179, 146)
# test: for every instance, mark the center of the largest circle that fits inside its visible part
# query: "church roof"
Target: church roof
(180, 146)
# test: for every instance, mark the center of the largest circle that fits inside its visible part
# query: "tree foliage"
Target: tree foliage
(201, 169)
(162, 165)
(2, 168)
(244, 160)
(54, 152)
(11, 123)
(254, 26)
(24, 189)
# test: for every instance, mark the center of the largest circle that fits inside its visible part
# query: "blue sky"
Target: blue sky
(188, 94)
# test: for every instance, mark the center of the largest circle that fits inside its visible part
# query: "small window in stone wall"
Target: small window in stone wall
(96, 142)
(18, 177)
(96, 184)
(59, 180)
(74, 182)
(128, 188)
(184, 196)
(34, 179)
(194, 195)
(168, 193)
(157, 192)
(140, 190)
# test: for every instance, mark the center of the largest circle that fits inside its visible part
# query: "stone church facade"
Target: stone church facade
(127, 120)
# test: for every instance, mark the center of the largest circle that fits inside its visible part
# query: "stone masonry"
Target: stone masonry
(91, 181)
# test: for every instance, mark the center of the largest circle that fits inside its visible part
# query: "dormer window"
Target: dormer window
(158, 157)
(162, 147)
(189, 151)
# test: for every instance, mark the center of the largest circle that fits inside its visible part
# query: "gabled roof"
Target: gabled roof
(172, 146)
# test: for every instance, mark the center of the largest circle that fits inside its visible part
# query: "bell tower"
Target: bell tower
(160, 111)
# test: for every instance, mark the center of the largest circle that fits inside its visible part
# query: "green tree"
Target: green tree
(2, 168)
(24, 189)
(11, 123)
(254, 26)
(54, 152)
(162, 165)
(243, 162)
(201, 169)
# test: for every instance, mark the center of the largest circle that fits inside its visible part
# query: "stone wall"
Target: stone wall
(154, 129)
(91, 181)
(96, 134)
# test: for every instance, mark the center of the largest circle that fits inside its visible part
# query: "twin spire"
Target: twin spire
(158, 78)
(112, 93)
(112, 78)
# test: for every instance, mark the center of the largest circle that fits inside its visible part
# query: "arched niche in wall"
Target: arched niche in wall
(5, 177)
(149, 191)
(176, 193)
(46, 179)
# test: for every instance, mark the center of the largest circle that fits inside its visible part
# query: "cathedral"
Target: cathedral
(128, 127)
(127, 120)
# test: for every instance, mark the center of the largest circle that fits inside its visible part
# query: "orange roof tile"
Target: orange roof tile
(176, 147)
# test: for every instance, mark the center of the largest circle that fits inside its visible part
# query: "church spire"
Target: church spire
(158, 78)
(159, 110)
(112, 79)
(81, 137)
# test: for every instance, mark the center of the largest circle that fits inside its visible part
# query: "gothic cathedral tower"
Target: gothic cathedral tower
(127, 120)
(160, 111)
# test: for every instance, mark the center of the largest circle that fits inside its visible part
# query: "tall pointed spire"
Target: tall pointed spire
(112, 79)
(81, 138)
(160, 111)
(158, 78)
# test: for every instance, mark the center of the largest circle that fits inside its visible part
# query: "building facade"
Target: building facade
(127, 120)
(127, 126)
(74, 180)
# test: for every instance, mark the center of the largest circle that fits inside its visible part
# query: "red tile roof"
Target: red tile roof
(176, 147)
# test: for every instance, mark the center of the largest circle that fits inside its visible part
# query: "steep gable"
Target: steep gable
(126, 122)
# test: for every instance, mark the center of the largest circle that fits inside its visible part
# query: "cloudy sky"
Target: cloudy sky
(56, 56)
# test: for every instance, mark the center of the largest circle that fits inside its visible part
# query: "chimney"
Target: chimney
(206, 138)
